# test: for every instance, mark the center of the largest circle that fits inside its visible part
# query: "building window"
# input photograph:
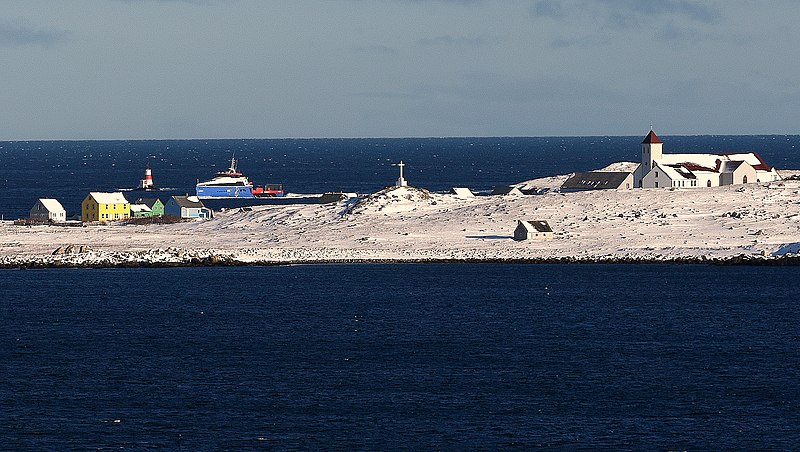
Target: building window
(656, 184)
(744, 179)
(708, 184)
(656, 173)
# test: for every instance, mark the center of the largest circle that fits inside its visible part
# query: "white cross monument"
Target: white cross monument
(401, 182)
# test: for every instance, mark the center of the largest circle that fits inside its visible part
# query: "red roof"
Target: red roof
(695, 167)
(761, 166)
(651, 138)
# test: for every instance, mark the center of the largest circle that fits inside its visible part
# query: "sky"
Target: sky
(159, 69)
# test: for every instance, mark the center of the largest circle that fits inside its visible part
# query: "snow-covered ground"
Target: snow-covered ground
(408, 224)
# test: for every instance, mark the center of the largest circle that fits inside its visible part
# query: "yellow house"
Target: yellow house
(103, 207)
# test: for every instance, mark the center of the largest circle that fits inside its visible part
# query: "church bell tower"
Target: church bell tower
(651, 150)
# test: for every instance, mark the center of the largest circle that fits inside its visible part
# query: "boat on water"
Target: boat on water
(232, 184)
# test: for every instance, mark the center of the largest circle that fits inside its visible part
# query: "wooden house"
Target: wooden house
(187, 207)
(104, 207)
(462, 192)
(154, 204)
(140, 210)
(533, 230)
(506, 191)
(47, 209)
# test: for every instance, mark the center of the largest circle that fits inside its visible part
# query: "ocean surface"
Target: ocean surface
(408, 357)
(69, 170)
(387, 357)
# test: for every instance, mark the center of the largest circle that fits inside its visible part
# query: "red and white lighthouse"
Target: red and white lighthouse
(147, 182)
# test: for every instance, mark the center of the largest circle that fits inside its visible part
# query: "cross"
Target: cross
(401, 182)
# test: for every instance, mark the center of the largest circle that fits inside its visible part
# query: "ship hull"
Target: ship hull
(224, 191)
(236, 203)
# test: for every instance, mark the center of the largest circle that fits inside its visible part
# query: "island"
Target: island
(757, 223)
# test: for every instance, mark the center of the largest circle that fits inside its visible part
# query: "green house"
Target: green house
(154, 204)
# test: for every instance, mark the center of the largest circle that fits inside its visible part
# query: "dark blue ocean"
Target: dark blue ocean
(68, 170)
(412, 357)
(385, 357)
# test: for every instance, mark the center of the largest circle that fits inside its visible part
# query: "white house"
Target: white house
(462, 192)
(533, 230)
(506, 191)
(47, 209)
(659, 170)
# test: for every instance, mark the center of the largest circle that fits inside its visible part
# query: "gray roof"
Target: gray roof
(148, 201)
(537, 225)
(188, 202)
(731, 166)
(595, 180)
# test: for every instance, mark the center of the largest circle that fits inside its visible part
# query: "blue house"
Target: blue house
(187, 207)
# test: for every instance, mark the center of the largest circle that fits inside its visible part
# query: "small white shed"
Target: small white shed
(506, 191)
(462, 192)
(533, 230)
(47, 209)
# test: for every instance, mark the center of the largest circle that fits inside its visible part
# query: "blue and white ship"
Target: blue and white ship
(232, 184)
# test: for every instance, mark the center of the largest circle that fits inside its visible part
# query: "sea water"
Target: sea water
(413, 356)
(372, 357)
(69, 170)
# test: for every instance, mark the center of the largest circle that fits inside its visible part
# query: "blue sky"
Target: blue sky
(139, 69)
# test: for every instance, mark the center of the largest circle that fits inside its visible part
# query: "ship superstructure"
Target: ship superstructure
(231, 183)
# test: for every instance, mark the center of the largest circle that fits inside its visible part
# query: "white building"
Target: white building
(506, 191)
(533, 230)
(462, 192)
(659, 170)
(48, 210)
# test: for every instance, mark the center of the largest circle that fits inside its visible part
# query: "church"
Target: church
(659, 170)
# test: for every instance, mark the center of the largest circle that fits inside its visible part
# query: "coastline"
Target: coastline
(217, 261)
(753, 224)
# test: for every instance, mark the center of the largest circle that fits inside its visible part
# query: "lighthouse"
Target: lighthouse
(147, 182)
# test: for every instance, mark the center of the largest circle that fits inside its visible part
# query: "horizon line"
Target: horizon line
(432, 137)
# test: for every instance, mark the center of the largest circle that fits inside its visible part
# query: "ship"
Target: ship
(232, 184)
(232, 189)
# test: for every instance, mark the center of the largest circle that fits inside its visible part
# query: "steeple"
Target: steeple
(651, 150)
(651, 138)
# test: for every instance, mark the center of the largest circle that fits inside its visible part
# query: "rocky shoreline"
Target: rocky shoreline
(173, 258)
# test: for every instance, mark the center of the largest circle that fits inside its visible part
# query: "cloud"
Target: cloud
(21, 34)
(626, 13)
(457, 2)
(548, 8)
(462, 41)
(374, 50)
(675, 21)
(638, 9)
(194, 2)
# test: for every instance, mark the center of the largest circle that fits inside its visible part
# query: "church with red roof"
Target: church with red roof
(659, 170)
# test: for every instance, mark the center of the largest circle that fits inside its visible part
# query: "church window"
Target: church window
(708, 184)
